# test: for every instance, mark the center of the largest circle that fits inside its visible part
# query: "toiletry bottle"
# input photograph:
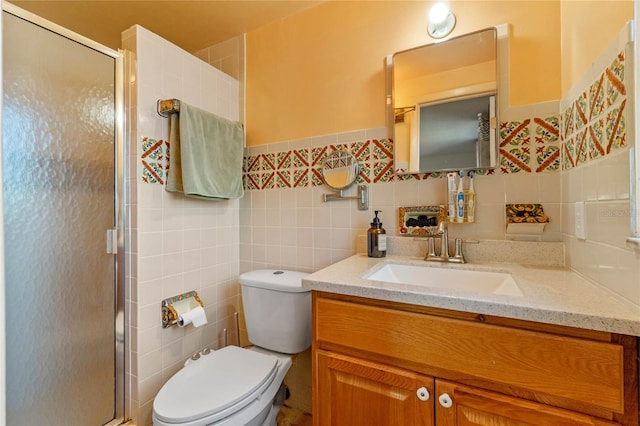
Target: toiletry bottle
(460, 200)
(471, 200)
(451, 196)
(376, 238)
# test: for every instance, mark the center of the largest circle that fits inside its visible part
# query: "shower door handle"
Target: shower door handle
(112, 241)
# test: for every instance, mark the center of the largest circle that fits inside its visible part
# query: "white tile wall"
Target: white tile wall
(177, 244)
(292, 228)
(604, 185)
(603, 256)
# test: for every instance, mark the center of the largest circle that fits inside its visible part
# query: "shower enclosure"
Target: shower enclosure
(63, 191)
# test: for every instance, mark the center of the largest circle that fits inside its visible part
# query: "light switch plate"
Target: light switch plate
(580, 220)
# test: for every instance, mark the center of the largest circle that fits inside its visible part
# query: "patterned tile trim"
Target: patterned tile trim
(154, 160)
(301, 168)
(594, 124)
(531, 145)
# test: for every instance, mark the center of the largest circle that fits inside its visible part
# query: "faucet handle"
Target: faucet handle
(458, 245)
(458, 250)
(431, 247)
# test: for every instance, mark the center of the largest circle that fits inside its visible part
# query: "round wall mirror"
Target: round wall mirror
(340, 170)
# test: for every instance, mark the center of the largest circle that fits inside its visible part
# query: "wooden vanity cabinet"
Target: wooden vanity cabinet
(357, 392)
(473, 406)
(386, 363)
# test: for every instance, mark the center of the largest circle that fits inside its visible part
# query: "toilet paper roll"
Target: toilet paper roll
(195, 316)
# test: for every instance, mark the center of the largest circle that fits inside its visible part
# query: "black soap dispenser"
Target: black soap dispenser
(376, 238)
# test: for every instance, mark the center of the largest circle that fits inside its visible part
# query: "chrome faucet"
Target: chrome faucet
(444, 247)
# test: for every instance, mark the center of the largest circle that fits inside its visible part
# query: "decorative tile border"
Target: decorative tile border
(547, 144)
(594, 124)
(530, 145)
(300, 168)
(154, 160)
(515, 146)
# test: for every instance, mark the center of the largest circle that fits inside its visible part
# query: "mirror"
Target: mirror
(340, 170)
(442, 109)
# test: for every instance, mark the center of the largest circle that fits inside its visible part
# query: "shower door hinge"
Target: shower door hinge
(112, 241)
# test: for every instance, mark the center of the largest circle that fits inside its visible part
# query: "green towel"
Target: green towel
(174, 169)
(205, 155)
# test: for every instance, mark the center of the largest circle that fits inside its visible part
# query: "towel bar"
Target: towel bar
(168, 106)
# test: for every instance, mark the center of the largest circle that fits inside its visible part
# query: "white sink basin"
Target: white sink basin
(447, 278)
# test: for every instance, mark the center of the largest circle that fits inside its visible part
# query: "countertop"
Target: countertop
(552, 294)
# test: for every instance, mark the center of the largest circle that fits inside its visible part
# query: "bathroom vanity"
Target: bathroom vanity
(396, 354)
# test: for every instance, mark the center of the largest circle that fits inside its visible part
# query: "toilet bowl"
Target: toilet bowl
(235, 386)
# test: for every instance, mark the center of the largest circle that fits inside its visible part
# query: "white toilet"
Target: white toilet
(244, 387)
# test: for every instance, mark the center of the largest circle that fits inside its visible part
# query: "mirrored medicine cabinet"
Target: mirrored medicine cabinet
(442, 104)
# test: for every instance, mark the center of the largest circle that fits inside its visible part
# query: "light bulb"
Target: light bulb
(441, 20)
(438, 13)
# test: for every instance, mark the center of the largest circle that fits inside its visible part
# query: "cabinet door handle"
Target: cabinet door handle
(445, 400)
(423, 394)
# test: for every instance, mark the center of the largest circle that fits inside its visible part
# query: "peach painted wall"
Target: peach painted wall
(321, 71)
(581, 43)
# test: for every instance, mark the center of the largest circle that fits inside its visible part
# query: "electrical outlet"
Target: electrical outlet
(579, 220)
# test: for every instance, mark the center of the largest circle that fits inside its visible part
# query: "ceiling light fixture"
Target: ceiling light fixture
(441, 20)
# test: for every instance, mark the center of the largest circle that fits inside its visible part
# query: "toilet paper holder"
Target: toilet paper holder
(175, 306)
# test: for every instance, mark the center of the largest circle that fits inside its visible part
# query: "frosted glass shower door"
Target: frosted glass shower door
(59, 173)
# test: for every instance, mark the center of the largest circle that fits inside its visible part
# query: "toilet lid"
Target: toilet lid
(213, 383)
(275, 279)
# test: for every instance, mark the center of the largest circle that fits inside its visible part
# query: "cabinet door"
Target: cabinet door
(467, 406)
(352, 391)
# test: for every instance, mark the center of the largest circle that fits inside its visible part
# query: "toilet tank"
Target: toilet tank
(277, 310)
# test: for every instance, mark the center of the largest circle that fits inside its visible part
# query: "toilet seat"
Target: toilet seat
(215, 386)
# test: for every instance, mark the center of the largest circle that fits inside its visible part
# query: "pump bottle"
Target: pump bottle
(376, 238)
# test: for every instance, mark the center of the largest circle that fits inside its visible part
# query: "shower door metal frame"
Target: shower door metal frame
(122, 386)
